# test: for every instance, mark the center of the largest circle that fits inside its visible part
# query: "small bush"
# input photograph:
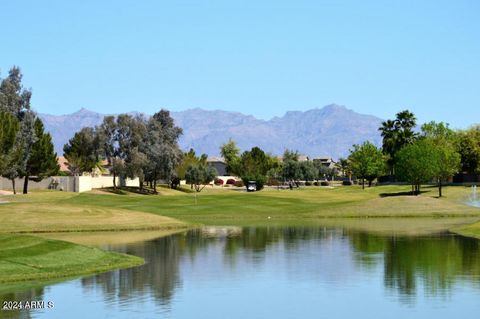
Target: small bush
(324, 183)
(239, 184)
(218, 182)
(308, 183)
(316, 183)
(230, 181)
(347, 183)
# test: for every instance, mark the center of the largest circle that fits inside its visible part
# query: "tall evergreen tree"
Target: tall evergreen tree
(42, 161)
(83, 151)
(9, 155)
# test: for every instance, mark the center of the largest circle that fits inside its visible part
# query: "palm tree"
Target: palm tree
(396, 134)
(406, 122)
(389, 132)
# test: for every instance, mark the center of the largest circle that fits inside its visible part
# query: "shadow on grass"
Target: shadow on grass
(409, 193)
(182, 188)
(128, 190)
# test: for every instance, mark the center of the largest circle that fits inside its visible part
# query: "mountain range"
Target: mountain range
(328, 131)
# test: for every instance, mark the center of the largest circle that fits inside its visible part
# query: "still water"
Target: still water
(276, 273)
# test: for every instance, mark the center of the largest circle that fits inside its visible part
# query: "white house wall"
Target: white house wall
(75, 184)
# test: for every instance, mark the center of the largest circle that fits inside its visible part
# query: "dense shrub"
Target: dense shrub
(308, 183)
(347, 183)
(230, 181)
(324, 183)
(239, 184)
(219, 182)
(316, 183)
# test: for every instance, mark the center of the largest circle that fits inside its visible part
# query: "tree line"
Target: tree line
(256, 165)
(26, 150)
(433, 153)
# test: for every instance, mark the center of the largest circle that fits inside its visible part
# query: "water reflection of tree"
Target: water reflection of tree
(159, 276)
(435, 262)
(21, 295)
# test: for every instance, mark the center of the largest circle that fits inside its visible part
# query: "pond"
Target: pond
(276, 273)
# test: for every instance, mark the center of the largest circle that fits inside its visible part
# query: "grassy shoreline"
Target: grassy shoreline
(25, 258)
(49, 214)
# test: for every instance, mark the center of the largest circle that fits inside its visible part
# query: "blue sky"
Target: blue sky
(256, 57)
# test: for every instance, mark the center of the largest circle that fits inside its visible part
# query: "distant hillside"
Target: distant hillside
(328, 131)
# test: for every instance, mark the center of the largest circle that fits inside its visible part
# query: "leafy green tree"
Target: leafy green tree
(468, 146)
(199, 175)
(131, 132)
(417, 163)
(124, 142)
(42, 161)
(447, 164)
(446, 161)
(366, 162)
(162, 150)
(254, 166)
(190, 158)
(396, 134)
(308, 171)
(231, 154)
(438, 132)
(108, 131)
(83, 151)
(291, 170)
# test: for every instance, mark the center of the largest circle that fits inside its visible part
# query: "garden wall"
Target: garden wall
(76, 184)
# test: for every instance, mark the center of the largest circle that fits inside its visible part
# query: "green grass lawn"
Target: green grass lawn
(25, 257)
(376, 209)
(299, 206)
(470, 230)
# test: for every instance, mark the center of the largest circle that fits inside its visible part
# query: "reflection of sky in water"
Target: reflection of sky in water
(285, 275)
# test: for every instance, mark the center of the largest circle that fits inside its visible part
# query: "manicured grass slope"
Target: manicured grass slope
(472, 230)
(51, 212)
(32, 258)
(297, 207)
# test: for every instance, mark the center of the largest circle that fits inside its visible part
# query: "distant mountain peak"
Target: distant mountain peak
(335, 107)
(330, 130)
(84, 112)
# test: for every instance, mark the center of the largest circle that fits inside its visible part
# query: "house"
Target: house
(219, 164)
(102, 170)
(301, 158)
(63, 163)
(326, 161)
